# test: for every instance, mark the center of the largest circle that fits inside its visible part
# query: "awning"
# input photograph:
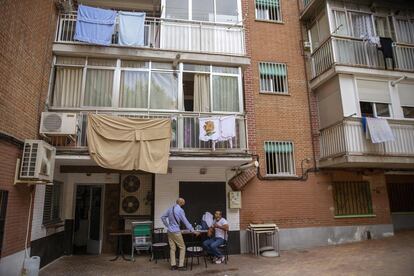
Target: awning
(272, 69)
(278, 148)
(122, 143)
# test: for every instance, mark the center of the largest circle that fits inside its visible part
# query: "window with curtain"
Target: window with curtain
(227, 11)
(268, 10)
(203, 10)
(177, 9)
(67, 89)
(382, 27)
(361, 24)
(406, 95)
(164, 90)
(133, 92)
(374, 98)
(273, 77)
(51, 207)
(98, 87)
(279, 158)
(341, 24)
(352, 198)
(405, 30)
(225, 94)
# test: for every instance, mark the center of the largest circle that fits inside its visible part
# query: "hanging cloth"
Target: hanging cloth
(209, 129)
(227, 129)
(132, 28)
(379, 130)
(95, 25)
(121, 143)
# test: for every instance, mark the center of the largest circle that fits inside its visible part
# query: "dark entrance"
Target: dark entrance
(201, 197)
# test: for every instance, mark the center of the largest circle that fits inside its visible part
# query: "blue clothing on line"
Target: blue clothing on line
(173, 226)
(131, 28)
(95, 25)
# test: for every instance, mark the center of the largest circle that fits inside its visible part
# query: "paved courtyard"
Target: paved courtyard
(389, 256)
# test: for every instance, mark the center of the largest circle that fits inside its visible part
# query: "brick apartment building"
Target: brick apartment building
(281, 70)
(349, 193)
(26, 32)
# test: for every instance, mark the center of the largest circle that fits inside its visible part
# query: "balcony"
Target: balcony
(172, 34)
(356, 52)
(345, 145)
(185, 134)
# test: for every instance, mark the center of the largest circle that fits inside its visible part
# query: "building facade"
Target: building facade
(313, 76)
(26, 34)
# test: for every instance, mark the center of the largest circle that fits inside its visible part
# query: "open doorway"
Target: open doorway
(88, 219)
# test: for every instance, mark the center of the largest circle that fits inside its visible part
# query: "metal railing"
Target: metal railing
(349, 138)
(185, 133)
(171, 34)
(357, 52)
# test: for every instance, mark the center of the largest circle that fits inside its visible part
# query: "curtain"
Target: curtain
(225, 94)
(164, 91)
(405, 30)
(134, 89)
(98, 88)
(68, 87)
(382, 27)
(340, 21)
(362, 25)
(201, 93)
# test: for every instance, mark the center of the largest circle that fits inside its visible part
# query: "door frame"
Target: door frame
(102, 217)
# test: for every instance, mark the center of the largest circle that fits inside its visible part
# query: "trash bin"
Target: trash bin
(31, 266)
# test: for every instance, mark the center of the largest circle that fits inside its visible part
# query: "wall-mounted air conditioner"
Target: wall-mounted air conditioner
(54, 123)
(38, 161)
(307, 45)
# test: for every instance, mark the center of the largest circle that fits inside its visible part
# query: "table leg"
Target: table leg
(118, 249)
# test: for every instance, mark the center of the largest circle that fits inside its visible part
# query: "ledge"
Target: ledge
(355, 216)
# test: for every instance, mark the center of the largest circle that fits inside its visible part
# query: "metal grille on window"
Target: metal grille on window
(268, 10)
(273, 77)
(352, 198)
(51, 207)
(279, 158)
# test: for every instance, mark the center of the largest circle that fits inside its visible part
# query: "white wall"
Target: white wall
(329, 103)
(167, 190)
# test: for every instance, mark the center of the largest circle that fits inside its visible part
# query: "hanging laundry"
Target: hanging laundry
(131, 28)
(95, 25)
(373, 40)
(379, 130)
(209, 129)
(227, 129)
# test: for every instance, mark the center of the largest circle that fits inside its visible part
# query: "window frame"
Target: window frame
(374, 109)
(274, 168)
(284, 80)
(278, 11)
(53, 220)
(352, 185)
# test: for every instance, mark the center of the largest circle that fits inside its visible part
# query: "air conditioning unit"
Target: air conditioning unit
(136, 195)
(307, 45)
(38, 161)
(53, 123)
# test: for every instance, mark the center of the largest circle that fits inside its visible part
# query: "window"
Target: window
(268, 10)
(381, 26)
(319, 31)
(279, 158)
(401, 197)
(273, 77)
(405, 30)
(51, 207)
(203, 10)
(406, 94)
(374, 98)
(341, 25)
(3, 209)
(352, 198)
(163, 92)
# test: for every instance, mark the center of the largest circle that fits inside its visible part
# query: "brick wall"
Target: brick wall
(26, 33)
(293, 117)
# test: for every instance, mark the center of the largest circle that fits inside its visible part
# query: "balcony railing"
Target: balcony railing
(185, 133)
(348, 138)
(171, 34)
(357, 52)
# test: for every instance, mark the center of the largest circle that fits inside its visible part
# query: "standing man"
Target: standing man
(220, 228)
(171, 219)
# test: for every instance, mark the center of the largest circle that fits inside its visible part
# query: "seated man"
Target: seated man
(219, 227)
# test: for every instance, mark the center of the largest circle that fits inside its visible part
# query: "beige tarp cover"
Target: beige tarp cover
(122, 143)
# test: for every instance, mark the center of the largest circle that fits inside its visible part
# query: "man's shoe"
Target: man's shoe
(220, 260)
(174, 267)
(181, 268)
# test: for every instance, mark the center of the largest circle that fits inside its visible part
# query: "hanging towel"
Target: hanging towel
(131, 28)
(95, 25)
(379, 130)
(209, 129)
(228, 129)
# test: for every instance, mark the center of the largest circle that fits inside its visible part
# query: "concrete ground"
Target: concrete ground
(388, 256)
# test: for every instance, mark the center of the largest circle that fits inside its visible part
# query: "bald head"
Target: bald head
(180, 201)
